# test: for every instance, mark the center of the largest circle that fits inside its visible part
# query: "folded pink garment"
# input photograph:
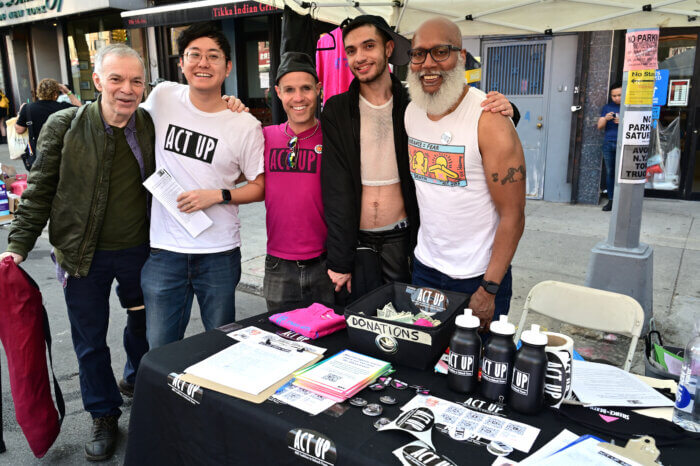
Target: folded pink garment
(314, 321)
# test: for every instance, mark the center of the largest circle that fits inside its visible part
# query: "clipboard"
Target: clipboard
(278, 344)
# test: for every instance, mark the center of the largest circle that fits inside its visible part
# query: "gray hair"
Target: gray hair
(119, 50)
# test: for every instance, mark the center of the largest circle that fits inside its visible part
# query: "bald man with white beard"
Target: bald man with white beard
(469, 173)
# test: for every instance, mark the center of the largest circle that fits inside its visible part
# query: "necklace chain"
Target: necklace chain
(286, 126)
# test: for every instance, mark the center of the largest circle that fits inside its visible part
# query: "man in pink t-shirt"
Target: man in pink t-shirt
(295, 266)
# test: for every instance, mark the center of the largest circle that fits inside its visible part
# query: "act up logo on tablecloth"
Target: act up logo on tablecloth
(312, 446)
(188, 391)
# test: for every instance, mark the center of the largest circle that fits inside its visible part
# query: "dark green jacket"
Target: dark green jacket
(69, 182)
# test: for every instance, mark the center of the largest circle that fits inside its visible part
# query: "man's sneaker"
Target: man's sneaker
(126, 388)
(607, 207)
(104, 438)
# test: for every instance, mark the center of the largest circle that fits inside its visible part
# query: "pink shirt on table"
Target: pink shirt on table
(332, 65)
(296, 228)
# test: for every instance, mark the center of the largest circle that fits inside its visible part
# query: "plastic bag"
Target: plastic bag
(16, 143)
(664, 157)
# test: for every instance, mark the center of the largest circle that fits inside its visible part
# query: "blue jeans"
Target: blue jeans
(426, 276)
(87, 299)
(170, 280)
(609, 149)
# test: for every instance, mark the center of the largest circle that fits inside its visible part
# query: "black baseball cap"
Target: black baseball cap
(295, 61)
(401, 45)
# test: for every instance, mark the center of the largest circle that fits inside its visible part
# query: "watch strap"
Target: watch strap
(226, 196)
(490, 287)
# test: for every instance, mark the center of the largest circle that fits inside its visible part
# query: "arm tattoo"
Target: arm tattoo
(511, 176)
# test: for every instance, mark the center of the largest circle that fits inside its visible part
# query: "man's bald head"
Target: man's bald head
(442, 28)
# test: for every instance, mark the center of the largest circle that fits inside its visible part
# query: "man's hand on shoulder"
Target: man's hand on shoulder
(15, 257)
(340, 280)
(497, 102)
(234, 104)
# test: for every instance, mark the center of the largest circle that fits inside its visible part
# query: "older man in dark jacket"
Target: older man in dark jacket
(87, 181)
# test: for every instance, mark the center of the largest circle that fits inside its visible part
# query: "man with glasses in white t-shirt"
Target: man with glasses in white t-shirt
(206, 148)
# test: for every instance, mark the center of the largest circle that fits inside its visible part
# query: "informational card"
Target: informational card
(564, 438)
(678, 92)
(640, 87)
(251, 366)
(342, 375)
(256, 333)
(469, 423)
(598, 384)
(302, 399)
(641, 48)
(165, 189)
(586, 451)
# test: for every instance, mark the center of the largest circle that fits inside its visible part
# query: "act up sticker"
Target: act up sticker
(417, 422)
(419, 454)
(312, 446)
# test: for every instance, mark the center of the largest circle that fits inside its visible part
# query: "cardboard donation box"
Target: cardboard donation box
(401, 342)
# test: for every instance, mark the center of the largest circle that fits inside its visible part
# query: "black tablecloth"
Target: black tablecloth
(166, 428)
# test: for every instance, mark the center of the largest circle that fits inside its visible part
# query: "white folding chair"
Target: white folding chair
(587, 307)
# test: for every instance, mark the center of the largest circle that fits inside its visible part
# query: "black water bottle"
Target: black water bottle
(529, 370)
(465, 351)
(497, 364)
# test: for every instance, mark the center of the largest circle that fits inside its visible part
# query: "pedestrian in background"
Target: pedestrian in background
(33, 116)
(609, 121)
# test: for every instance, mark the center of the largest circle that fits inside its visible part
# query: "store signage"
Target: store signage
(225, 10)
(25, 11)
(660, 88)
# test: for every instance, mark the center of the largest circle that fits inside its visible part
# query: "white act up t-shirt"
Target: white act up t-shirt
(201, 151)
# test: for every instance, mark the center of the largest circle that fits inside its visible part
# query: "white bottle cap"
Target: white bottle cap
(502, 326)
(467, 320)
(534, 336)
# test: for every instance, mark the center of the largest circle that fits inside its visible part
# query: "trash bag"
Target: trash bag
(664, 159)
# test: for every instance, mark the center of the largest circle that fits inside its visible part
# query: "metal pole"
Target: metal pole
(621, 263)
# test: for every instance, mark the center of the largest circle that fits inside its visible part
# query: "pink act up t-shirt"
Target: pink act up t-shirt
(296, 229)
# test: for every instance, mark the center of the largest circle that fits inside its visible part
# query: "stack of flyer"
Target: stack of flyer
(341, 376)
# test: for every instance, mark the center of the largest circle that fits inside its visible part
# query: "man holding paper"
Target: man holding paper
(204, 147)
(87, 182)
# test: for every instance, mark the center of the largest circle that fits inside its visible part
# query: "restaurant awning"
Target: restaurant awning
(509, 17)
(192, 12)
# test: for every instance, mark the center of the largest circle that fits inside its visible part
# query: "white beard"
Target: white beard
(447, 96)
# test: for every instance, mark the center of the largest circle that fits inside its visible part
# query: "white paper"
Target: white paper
(303, 399)
(257, 333)
(598, 384)
(344, 370)
(515, 434)
(586, 452)
(564, 438)
(166, 189)
(251, 366)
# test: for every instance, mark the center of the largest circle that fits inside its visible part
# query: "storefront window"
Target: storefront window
(677, 55)
(85, 38)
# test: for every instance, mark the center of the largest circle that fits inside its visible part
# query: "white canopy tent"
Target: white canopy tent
(509, 17)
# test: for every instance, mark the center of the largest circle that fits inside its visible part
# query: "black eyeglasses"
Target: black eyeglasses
(439, 53)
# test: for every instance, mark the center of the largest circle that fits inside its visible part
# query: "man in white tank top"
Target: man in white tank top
(469, 171)
(368, 195)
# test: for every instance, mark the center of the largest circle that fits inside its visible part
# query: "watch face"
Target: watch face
(226, 195)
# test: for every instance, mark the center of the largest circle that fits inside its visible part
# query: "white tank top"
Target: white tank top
(377, 153)
(458, 219)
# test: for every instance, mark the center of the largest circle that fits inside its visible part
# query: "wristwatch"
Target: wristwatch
(226, 195)
(490, 287)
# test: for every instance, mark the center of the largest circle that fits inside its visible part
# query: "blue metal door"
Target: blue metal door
(520, 71)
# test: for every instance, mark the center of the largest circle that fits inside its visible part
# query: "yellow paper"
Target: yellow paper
(473, 75)
(640, 87)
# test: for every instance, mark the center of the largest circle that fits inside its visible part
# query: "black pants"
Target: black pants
(381, 257)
